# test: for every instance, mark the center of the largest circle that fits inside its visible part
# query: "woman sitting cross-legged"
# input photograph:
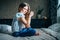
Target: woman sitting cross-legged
(21, 22)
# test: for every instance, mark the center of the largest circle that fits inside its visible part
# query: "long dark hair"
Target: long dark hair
(22, 5)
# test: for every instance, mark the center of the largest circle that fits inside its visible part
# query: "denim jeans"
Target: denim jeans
(25, 32)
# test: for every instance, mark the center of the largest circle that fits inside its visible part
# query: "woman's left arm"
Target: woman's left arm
(28, 17)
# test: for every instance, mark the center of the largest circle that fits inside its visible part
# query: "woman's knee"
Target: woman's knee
(32, 31)
(15, 34)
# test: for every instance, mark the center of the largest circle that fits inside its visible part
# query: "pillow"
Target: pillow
(5, 28)
(55, 27)
(49, 31)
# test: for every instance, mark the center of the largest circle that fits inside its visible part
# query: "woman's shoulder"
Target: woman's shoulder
(19, 14)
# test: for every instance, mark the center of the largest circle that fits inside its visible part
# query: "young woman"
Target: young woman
(21, 22)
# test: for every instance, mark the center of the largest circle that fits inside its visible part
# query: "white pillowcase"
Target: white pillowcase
(5, 28)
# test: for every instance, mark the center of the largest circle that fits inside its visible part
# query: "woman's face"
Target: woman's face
(25, 9)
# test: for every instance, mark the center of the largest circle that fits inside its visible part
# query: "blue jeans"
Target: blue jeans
(25, 32)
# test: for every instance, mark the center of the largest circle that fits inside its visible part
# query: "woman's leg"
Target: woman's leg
(15, 34)
(27, 32)
(30, 32)
(21, 33)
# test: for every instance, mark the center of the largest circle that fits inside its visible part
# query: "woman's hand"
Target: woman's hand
(27, 15)
(31, 14)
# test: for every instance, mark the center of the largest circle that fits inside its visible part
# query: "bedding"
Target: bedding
(5, 28)
(42, 36)
(50, 33)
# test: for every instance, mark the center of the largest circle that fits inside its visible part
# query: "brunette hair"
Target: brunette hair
(22, 5)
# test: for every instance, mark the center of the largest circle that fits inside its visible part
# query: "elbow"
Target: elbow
(27, 25)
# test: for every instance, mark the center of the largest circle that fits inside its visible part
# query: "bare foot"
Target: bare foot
(37, 34)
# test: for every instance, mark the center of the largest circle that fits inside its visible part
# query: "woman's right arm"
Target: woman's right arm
(23, 20)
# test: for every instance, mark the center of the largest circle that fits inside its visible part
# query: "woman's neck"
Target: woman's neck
(22, 12)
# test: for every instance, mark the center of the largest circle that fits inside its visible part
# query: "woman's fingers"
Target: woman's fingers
(31, 13)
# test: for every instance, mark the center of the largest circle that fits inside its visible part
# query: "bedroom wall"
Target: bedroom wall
(8, 8)
(58, 12)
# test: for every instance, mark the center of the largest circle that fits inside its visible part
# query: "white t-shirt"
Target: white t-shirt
(16, 24)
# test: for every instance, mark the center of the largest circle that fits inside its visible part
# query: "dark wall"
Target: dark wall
(8, 8)
(58, 12)
(35, 23)
(53, 10)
